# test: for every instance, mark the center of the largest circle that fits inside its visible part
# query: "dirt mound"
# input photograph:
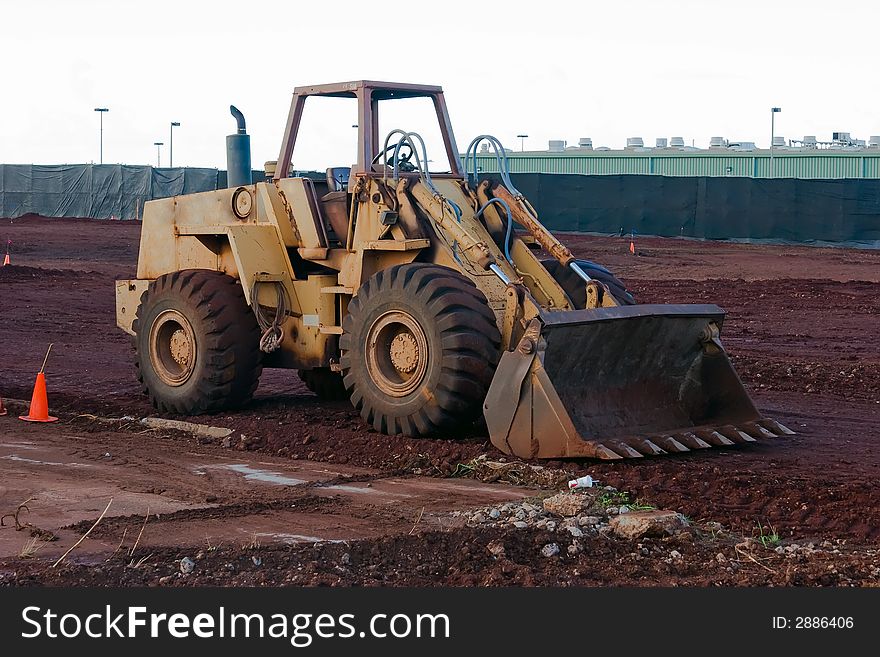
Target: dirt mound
(474, 557)
(25, 273)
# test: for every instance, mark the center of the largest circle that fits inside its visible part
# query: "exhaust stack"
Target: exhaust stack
(238, 153)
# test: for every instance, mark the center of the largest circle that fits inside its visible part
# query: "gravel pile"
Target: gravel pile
(572, 514)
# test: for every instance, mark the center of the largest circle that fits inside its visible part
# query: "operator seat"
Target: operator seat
(335, 202)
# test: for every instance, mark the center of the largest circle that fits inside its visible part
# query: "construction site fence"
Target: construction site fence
(786, 209)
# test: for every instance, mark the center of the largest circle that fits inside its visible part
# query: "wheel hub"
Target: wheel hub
(172, 348)
(396, 353)
(180, 347)
(404, 352)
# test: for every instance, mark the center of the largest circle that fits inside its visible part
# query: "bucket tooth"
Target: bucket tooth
(735, 434)
(670, 444)
(606, 454)
(644, 446)
(714, 438)
(756, 430)
(691, 440)
(776, 427)
(622, 448)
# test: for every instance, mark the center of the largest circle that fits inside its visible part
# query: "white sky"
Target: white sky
(550, 69)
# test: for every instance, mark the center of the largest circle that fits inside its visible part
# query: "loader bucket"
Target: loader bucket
(621, 382)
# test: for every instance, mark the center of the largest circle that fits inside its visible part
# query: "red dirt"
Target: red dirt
(801, 329)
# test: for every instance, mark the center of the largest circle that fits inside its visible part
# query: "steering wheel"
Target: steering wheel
(404, 155)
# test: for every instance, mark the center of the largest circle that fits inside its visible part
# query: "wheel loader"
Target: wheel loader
(427, 299)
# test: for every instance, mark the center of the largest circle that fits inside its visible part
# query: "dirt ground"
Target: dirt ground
(303, 493)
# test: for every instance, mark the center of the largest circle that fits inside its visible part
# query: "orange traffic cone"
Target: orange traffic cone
(6, 260)
(632, 247)
(39, 409)
(3, 410)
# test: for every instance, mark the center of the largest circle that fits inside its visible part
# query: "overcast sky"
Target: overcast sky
(550, 69)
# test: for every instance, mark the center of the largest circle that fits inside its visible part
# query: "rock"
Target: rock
(165, 580)
(611, 510)
(637, 524)
(675, 554)
(541, 524)
(258, 561)
(575, 548)
(564, 504)
(551, 526)
(478, 518)
(494, 514)
(345, 559)
(528, 508)
(589, 521)
(227, 443)
(575, 531)
(623, 509)
(720, 558)
(519, 524)
(496, 549)
(187, 565)
(550, 550)
(520, 514)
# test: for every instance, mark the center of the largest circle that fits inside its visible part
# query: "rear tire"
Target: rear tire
(325, 383)
(576, 289)
(196, 343)
(419, 350)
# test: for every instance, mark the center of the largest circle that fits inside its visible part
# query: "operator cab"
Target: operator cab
(376, 150)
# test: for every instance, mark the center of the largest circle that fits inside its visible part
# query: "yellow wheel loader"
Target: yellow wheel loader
(426, 298)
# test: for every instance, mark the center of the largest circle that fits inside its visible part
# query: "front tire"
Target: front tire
(325, 383)
(197, 343)
(419, 350)
(574, 285)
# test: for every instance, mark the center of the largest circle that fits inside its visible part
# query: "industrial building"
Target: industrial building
(841, 157)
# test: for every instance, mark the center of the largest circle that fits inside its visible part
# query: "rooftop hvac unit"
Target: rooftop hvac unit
(677, 142)
(661, 142)
(874, 141)
(585, 142)
(634, 142)
(484, 147)
(741, 145)
(841, 136)
(810, 141)
(717, 142)
(778, 141)
(556, 145)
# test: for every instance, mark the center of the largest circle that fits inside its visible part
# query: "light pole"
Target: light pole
(158, 145)
(174, 124)
(522, 142)
(100, 111)
(773, 111)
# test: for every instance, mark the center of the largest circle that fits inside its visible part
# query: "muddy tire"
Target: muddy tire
(196, 343)
(575, 288)
(325, 383)
(419, 350)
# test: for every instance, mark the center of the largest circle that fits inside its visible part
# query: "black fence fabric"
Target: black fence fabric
(95, 190)
(788, 209)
